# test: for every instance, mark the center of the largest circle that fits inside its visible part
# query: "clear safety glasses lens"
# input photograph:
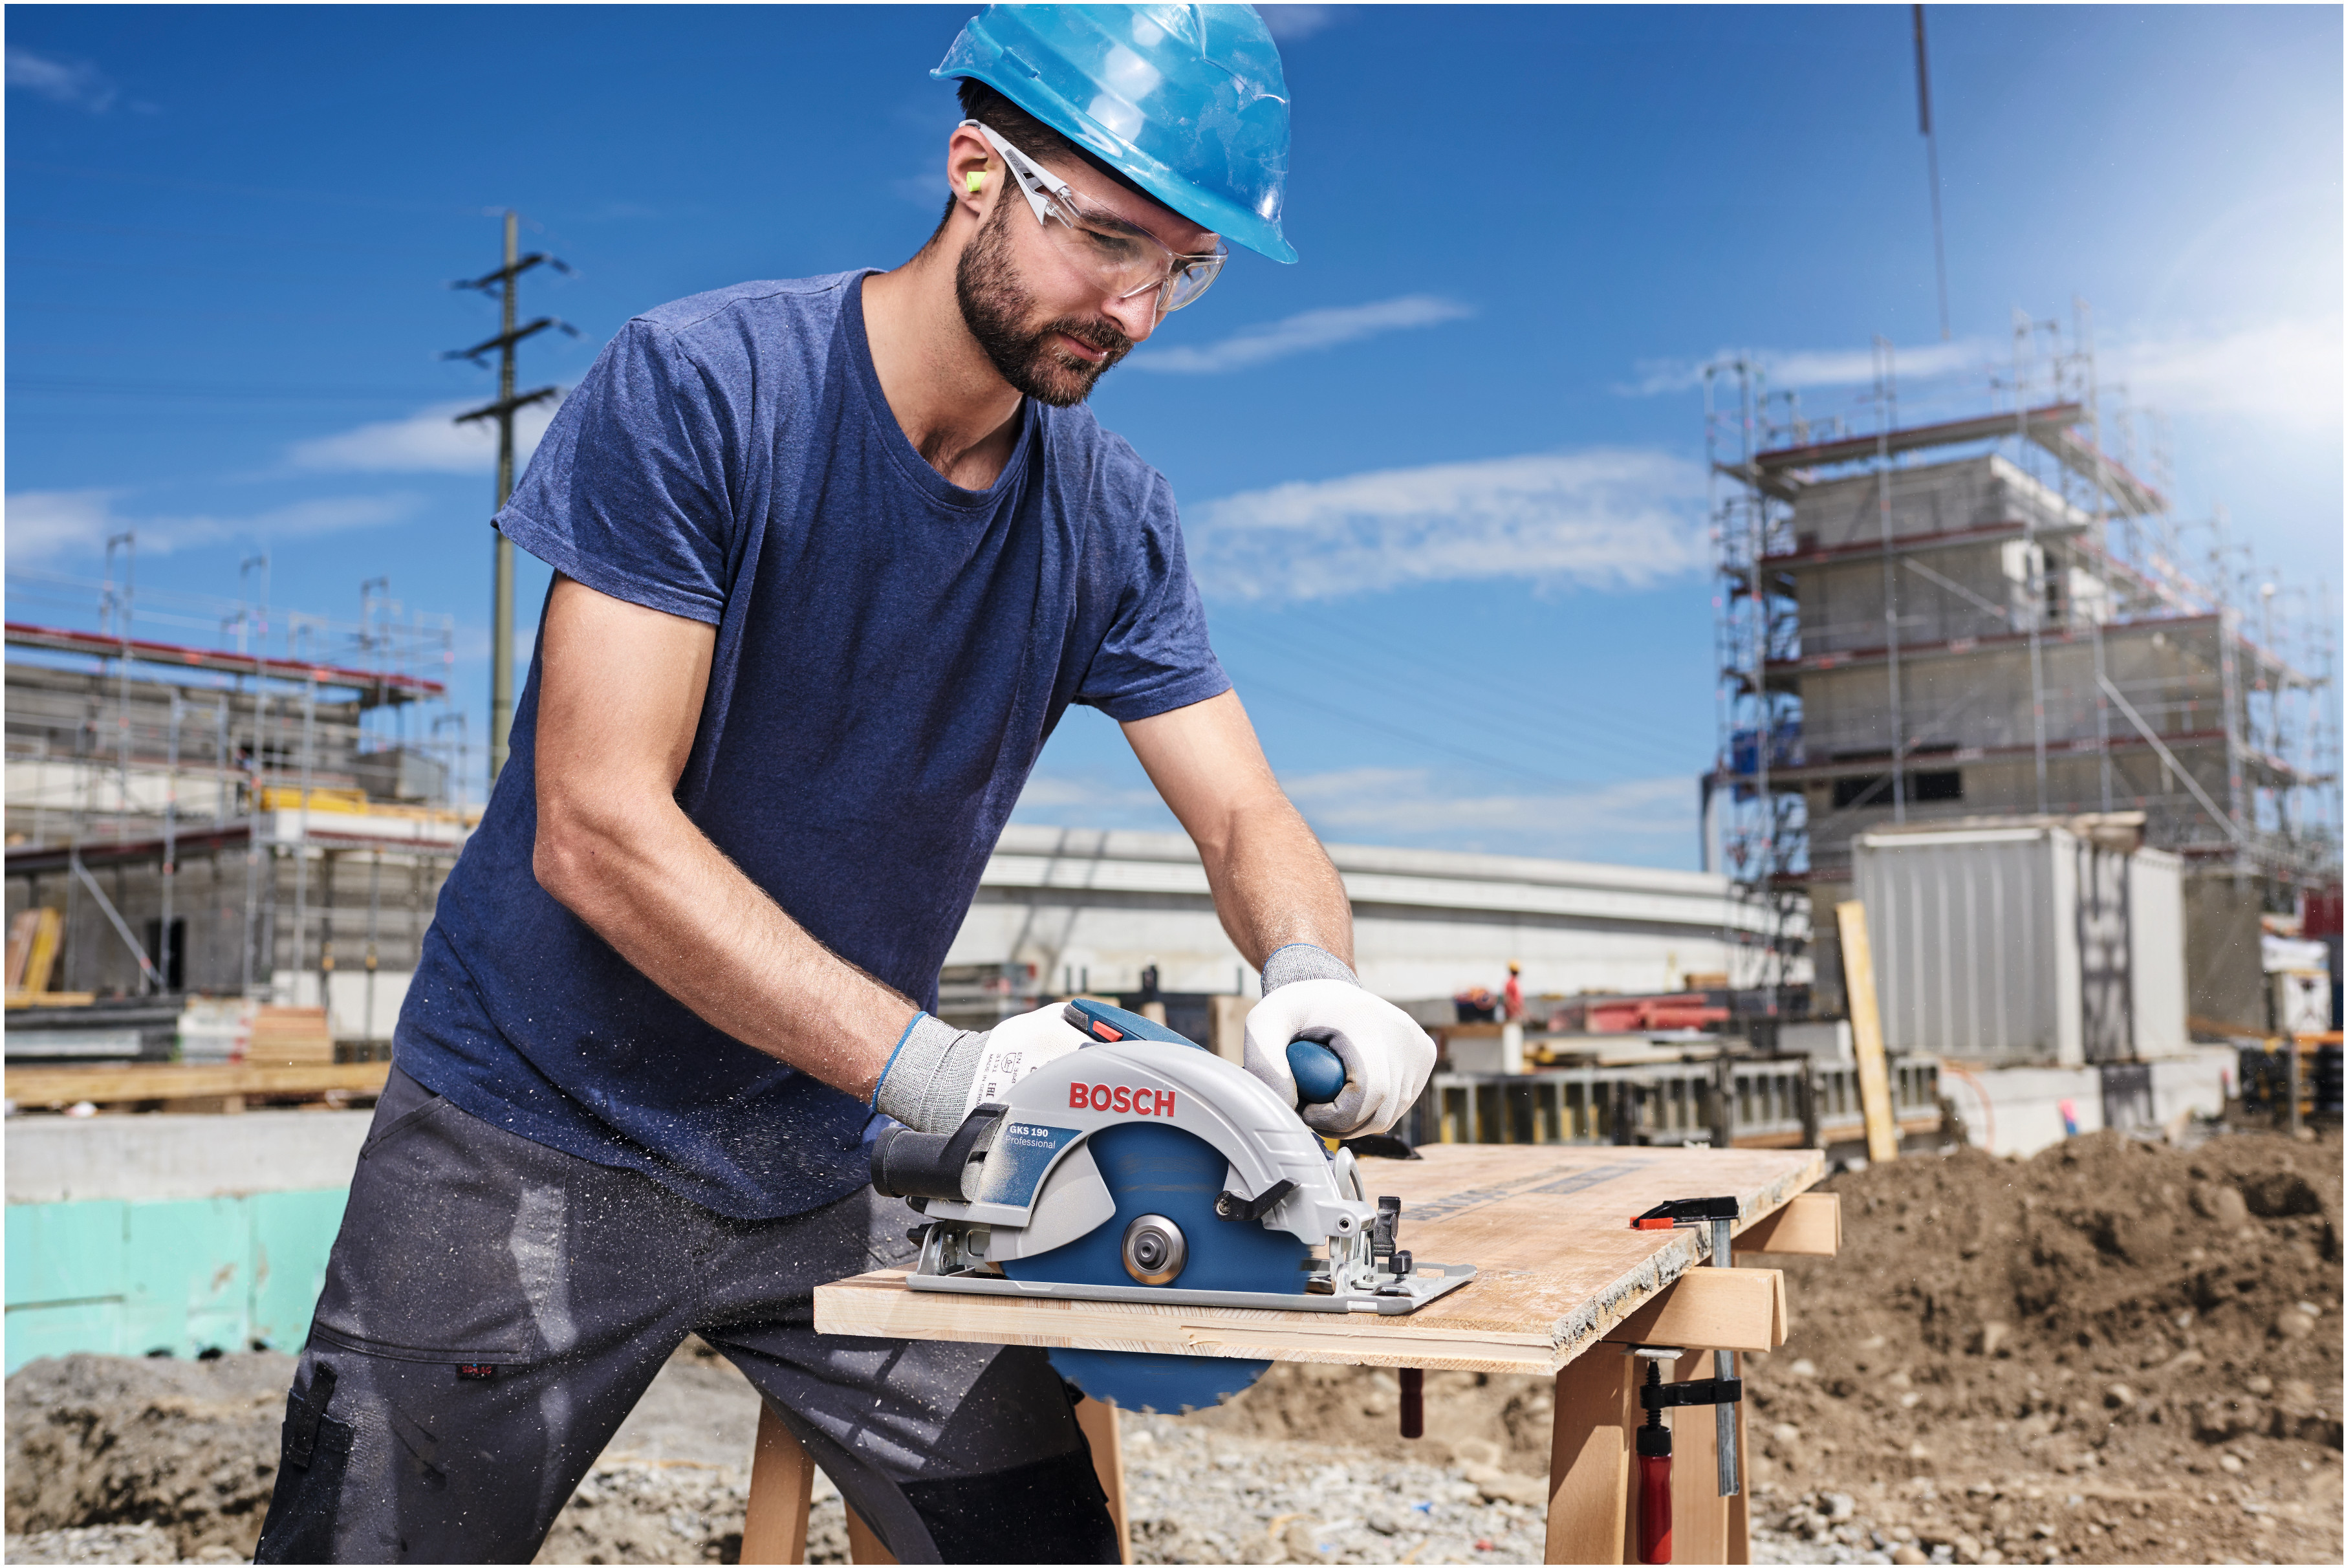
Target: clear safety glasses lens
(1126, 260)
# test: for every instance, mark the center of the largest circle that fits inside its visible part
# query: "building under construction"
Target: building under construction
(1999, 616)
(222, 821)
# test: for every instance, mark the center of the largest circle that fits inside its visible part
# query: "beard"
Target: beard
(995, 303)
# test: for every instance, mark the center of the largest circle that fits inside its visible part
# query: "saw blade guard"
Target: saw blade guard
(1053, 1111)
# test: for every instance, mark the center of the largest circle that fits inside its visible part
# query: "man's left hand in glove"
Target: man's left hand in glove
(1308, 993)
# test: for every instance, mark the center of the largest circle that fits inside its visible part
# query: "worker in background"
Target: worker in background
(1513, 993)
(834, 555)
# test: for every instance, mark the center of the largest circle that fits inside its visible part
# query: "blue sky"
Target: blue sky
(1443, 480)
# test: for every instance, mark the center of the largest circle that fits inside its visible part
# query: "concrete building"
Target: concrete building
(1992, 619)
(228, 821)
(1085, 910)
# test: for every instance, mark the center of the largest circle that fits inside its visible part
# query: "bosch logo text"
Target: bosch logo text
(1120, 1098)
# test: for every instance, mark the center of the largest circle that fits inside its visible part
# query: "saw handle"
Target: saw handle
(1318, 1074)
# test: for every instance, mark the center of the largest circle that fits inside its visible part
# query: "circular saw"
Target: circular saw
(1143, 1167)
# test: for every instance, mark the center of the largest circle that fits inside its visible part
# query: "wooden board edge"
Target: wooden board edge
(1807, 1225)
(878, 1305)
(1711, 1310)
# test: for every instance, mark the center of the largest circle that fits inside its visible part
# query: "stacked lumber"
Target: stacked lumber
(172, 1082)
(34, 937)
(289, 1036)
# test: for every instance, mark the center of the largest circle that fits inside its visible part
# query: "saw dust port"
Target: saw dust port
(2116, 1351)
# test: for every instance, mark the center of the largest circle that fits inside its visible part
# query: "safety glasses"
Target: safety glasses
(1126, 260)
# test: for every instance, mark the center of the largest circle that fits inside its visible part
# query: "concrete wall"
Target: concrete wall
(2017, 1110)
(1103, 905)
(127, 1235)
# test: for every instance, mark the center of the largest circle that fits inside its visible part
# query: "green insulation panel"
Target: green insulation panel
(182, 1276)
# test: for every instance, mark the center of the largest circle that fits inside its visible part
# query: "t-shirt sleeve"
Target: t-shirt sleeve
(1155, 656)
(627, 492)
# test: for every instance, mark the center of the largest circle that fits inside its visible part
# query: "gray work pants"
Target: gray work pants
(494, 1307)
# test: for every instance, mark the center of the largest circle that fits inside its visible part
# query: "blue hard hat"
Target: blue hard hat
(1188, 102)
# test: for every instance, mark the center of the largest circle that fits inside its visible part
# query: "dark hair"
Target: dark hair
(1032, 137)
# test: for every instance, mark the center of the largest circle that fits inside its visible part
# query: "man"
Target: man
(834, 556)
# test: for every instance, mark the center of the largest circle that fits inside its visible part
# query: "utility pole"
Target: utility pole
(505, 282)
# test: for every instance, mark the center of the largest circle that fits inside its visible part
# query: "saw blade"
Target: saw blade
(1161, 1171)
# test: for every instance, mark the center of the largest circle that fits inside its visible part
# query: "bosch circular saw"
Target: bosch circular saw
(1144, 1167)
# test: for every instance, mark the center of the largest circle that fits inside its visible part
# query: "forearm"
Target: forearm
(652, 884)
(1272, 882)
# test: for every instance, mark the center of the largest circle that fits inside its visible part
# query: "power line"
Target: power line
(1450, 702)
(1537, 702)
(41, 386)
(1936, 198)
(262, 192)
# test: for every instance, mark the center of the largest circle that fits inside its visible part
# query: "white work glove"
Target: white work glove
(939, 1074)
(1308, 993)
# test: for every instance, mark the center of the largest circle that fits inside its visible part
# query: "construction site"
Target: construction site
(1944, 1171)
(2078, 798)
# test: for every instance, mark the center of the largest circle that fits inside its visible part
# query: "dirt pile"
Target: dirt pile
(187, 1448)
(2116, 1351)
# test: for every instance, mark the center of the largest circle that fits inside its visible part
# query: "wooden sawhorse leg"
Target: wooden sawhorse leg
(1590, 1482)
(781, 1490)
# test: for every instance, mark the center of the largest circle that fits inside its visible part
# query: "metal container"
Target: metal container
(2024, 943)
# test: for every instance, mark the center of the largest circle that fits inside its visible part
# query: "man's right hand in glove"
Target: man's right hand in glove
(938, 1074)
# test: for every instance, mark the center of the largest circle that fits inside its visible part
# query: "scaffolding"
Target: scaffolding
(225, 817)
(1995, 613)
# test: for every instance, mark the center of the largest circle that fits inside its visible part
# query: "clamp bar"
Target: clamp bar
(1719, 1214)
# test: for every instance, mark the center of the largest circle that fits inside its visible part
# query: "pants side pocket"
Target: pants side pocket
(316, 1460)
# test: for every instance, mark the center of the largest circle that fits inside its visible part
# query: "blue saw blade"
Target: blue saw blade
(1154, 1169)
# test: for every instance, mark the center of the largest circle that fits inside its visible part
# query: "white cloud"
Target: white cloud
(1798, 368)
(1649, 821)
(60, 81)
(426, 441)
(45, 524)
(1311, 329)
(1607, 518)
(2288, 373)
(1053, 799)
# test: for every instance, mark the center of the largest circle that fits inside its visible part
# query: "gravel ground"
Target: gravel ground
(2115, 1353)
(1198, 1495)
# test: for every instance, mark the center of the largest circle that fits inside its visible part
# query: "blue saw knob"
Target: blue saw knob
(1317, 1071)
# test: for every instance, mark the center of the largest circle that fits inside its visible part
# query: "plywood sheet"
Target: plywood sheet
(1547, 1226)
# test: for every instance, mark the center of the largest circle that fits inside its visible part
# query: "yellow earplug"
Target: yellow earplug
(975, 181)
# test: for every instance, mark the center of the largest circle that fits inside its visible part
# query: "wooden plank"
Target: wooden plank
(1104, 1434)
(169, 1081)
(1807, 1226)
(1545, 1225)
(781, 1494)
(1698, 1525)
(862, 1543)
(1711, 1308)
(1737, 1507)
(1863, 1014)
(1588, 1468)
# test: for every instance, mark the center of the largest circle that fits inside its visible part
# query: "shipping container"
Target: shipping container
(2024, 943)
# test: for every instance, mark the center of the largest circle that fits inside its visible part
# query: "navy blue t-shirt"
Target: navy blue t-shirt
(891, 652)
